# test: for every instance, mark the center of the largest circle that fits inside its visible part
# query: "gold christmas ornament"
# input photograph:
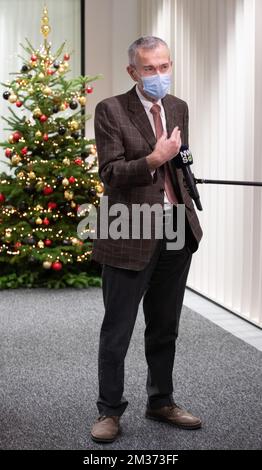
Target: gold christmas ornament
(82, 100)
(16, 159)
(39, 185)
(45, 19)
(75, 241)
(41, 76)
(39, 207)
(20, 174)
(69, 195)
(61, 69)
(56, 98)
(65, 182)
(12, 98)
(62, 107)
(99, 188)
(31, 175)
(10, 139)
(66, 65)
(73, 125)
(47, 264)
(39, 221)
(33, 63)
(45, 29)
(37, 112)
(47, 91)
(66, 161)
(41, 244)
(73, 204)
(38, 134)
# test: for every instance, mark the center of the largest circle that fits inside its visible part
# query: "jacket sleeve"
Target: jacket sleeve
(114, 169)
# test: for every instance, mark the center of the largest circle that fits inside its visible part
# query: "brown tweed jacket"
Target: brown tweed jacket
(124, 137)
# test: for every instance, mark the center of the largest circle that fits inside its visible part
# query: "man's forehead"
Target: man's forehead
(159, 52)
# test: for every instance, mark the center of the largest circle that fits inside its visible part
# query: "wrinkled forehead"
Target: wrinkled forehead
(153, 56)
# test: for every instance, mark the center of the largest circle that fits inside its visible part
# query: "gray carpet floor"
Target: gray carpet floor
(48, 373)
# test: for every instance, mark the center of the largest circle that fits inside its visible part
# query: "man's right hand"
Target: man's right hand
(165, 149)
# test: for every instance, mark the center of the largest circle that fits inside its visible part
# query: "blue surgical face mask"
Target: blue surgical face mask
(157, 86)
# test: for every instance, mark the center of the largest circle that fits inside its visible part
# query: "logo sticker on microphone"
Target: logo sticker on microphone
(186, 156)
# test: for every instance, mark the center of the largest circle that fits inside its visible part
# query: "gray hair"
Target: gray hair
(145, 42)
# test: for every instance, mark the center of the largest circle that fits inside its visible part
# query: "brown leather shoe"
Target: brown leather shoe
(175, 416)
(105, 429)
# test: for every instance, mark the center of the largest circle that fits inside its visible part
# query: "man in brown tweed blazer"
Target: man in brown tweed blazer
(138, 134)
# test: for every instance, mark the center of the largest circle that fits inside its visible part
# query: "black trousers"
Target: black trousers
(162, 286)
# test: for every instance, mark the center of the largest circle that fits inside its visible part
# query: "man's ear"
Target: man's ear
(132, 72)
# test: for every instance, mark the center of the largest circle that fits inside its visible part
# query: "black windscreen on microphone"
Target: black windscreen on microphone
(183, 161)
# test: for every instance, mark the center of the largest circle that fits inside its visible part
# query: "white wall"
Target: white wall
(111, 26)
(216, 46)
(257, 234)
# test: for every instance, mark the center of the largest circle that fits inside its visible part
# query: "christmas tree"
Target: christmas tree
(53, 172)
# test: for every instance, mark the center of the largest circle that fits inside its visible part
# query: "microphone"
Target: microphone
(183, 161)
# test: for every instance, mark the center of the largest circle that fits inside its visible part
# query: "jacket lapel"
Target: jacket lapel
(139, 118)
(170, 113)
(171, 122)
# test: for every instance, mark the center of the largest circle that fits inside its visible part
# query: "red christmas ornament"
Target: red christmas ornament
(46, 221)
(48, 242)
(57, 266)
(18, 244)
(52, 205)
(72, 179)
(50, 72)
(43, 118)
(45, 137)
(2, 198)
(33, 57)
(89, 89)
(47, 190)
(66, 57)
(8, 153)
(16, 136)
(78, 161)
(19, 104)
(24, 151)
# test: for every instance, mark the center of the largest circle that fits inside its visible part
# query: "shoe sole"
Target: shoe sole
(103, 441)
(106, 441)
(167, 421)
